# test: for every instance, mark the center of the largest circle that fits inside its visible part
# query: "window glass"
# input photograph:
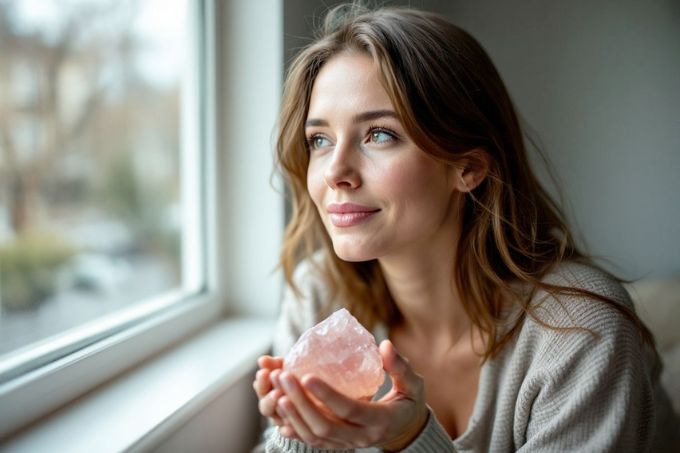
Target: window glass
(92, 205)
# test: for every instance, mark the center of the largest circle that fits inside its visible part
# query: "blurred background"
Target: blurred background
(89, 161)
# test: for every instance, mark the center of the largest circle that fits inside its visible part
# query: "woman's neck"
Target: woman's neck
(423, 288)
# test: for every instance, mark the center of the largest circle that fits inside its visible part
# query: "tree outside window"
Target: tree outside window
(90, 187)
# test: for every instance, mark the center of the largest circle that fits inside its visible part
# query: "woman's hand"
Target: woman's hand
(267, 392)
(313, 412)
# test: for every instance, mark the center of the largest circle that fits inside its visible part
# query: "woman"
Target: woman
(414, 206)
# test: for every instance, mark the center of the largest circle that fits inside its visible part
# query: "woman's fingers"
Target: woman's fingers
(316, 421)
(404, 379)
(323, 417)
(274, 378)
(268, 396)
(265, 388)
(308, 434)
(304, 406)
(407, 397)
(345, 408)
(269, 368)
(314, 412)
(267, 361)
(295, 422)
(262, 384)
(267, 404)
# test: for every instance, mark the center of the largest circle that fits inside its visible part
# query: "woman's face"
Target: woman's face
(377, 193)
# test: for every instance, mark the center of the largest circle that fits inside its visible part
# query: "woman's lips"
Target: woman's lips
(349, 214)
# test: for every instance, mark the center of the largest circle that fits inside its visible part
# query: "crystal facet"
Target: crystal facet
(340, 351)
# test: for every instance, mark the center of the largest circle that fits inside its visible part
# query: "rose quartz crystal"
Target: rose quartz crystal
(340, 351)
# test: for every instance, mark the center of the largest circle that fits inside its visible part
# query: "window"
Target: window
(100, 169)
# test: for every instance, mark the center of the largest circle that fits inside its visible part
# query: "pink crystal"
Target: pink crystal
(340, 351)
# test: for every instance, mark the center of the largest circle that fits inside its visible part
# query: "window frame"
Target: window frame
(78, 362)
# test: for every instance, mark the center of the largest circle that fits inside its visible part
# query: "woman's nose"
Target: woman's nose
(342, 171)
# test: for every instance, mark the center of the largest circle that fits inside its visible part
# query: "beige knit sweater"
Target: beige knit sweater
(547, 390)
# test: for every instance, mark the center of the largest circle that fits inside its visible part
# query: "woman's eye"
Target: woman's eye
(381, 137)
(318, 141)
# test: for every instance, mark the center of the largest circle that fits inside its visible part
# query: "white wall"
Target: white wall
(248, 92)
(229, 424)
(600, 84)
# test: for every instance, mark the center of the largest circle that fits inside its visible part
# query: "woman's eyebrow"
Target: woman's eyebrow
(358, 118)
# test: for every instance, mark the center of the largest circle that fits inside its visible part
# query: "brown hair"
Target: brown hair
(451, 100)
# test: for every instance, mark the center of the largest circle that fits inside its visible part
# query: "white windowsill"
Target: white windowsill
(155, 398)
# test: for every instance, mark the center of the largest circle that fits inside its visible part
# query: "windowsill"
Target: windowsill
(155, 398)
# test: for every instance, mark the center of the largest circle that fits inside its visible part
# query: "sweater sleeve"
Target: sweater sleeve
(587, 391)
(432, 439)
(279, 444)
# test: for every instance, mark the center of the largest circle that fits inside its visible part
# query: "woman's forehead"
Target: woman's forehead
(348, 82)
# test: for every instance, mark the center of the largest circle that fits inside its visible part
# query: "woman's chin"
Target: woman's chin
(352, 253)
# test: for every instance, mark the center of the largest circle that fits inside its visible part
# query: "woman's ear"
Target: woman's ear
(472, 170)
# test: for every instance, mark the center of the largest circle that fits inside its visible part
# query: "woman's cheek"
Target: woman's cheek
(315, 182)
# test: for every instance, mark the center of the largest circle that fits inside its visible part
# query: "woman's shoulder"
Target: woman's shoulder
(580, 276)
(575, 352)
(574, 301)
(573, 320)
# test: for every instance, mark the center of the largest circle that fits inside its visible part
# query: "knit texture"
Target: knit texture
(548, 390)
